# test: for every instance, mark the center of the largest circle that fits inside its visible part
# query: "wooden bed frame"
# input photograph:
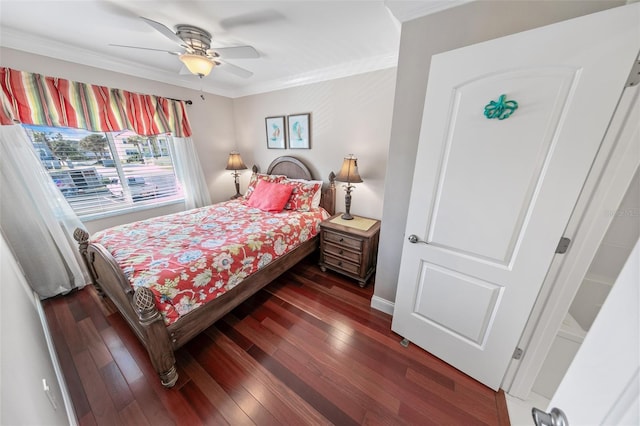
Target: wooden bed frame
(138, 307)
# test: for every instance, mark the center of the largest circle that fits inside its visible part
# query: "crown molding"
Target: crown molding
(324, 74)
(30, 43)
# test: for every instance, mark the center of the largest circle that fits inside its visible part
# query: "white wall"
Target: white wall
(350, 115)
(211, 120)
(421, 38)
(24, 355)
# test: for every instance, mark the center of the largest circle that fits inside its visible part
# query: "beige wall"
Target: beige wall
(421, 38)
(350, 115)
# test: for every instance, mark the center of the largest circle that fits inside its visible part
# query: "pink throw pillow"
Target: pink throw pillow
(256, 177)
(269, 196)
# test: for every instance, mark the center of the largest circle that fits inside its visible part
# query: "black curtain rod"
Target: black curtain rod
(188, 101)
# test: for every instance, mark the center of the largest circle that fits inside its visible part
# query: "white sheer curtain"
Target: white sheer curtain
(36, 219)
(189, 172)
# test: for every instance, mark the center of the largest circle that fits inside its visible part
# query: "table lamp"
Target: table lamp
(235, 163)
(349, 174)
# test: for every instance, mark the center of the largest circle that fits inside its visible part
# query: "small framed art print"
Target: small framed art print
(299, 126)
(275, 132)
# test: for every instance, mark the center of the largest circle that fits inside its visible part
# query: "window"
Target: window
(107, 173)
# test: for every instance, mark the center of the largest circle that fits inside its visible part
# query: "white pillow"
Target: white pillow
(315, 203)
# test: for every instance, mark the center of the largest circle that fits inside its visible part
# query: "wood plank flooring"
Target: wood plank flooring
(307, 349)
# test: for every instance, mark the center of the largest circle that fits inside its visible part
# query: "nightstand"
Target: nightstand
(350, 247)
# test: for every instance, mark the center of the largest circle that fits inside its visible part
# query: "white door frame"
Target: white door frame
(612, 171)
(602, 386)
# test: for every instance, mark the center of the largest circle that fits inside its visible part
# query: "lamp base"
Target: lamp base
(237, 183)
(347, 203)
(347, 216)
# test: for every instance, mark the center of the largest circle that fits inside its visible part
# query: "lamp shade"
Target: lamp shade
(197, 64)
(235, 162)
(349, 171)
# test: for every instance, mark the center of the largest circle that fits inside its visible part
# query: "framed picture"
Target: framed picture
(299, 131)
(275, 132)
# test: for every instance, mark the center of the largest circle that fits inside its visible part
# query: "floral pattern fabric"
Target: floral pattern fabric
(189, 258)
(301, 196)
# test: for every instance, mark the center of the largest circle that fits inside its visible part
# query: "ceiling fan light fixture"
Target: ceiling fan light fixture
(197, 64)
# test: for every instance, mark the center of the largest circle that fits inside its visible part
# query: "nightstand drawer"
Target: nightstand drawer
(343, 240)
(340, 251)
(344, 265)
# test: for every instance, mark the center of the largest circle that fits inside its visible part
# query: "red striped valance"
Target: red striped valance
(48, 101)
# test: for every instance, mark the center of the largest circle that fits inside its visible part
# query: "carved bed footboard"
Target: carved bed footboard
(137, 307)
(139, 310)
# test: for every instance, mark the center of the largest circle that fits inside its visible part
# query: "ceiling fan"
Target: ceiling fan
(198, 56)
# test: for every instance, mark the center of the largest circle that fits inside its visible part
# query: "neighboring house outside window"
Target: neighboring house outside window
(102, 174)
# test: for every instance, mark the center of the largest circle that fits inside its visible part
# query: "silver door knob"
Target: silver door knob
(413, 239)
(555, 418)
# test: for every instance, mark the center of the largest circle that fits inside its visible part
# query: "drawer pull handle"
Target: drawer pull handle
(341, 251)
(341, 239)
(340, 263)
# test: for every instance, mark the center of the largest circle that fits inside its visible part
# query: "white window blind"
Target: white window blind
(107, 173)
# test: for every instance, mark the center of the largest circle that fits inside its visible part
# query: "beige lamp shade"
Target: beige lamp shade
(197, 64)
(349, 171)
(235, 162)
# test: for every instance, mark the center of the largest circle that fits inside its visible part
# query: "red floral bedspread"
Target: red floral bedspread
(192, 257)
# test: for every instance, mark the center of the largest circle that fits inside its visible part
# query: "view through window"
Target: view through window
(100, 173)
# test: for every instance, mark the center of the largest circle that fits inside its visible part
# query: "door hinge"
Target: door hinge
(517, 354)
(634, 76)
(563, 245)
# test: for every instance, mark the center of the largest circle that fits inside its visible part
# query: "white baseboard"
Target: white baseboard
(382, 305)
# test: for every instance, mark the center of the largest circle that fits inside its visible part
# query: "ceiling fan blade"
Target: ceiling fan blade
(234, 69)
(166, 31)
(145, 48)
(237, 52)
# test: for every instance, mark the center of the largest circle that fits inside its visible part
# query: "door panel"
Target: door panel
(491, 198)
(490, 169)
(443, 293)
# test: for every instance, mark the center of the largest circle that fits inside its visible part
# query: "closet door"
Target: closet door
(509, 132)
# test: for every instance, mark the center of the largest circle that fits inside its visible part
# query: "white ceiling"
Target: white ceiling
(299, 41)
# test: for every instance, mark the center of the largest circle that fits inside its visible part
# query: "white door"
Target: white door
(602, 385)
(490, 197)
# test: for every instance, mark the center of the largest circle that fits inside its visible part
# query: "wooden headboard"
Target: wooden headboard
(293, 168)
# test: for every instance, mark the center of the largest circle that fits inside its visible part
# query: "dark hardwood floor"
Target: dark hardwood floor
(308, 349)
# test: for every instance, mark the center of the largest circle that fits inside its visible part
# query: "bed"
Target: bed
(161, 315)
